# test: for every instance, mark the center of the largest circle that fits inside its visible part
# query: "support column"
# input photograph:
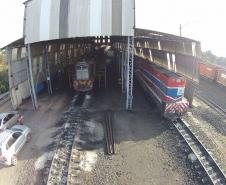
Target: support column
(123, 70)
(30, 77)
(9, 61)
(130, 59)
(47, 70)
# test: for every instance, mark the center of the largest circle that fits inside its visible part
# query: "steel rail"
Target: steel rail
(212, 104)
(112, 132)
(61, 159)
(60, 167)
(72, 167)
(106, 130)
(109, 133)
(207, 161)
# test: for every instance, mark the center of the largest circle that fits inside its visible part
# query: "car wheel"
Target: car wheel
(14, 160)
(28, 137)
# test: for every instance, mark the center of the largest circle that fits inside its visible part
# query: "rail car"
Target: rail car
(166, 88)
(215, 73)
(84, 75)
(221, 77)
(208, 71)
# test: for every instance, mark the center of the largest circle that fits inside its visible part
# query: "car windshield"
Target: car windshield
(16, 129)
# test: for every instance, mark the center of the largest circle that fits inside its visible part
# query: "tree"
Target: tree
(4, 82)
(209, 57)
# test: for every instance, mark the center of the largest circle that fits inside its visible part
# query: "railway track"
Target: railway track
(73, 170)
(109, 133)
(61, 169)
(212, 104)
(212, 171)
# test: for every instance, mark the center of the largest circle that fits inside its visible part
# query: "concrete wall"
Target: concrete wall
(18, 81)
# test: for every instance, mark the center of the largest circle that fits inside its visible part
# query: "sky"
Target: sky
(202, 20)
(11, 21)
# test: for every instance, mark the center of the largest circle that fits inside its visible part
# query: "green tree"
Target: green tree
(4, 82)
(209, 57)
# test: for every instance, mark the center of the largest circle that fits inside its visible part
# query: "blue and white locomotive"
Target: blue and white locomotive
(164, 86)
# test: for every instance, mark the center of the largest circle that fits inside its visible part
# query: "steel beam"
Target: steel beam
(129, 78)
(9, 61)
(47, 70)
(30, 77)
(123, 72)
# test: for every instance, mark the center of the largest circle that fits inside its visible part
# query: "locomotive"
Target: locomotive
(165, 87)
(84, 77)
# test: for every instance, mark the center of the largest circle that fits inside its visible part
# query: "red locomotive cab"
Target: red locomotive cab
(177, 82)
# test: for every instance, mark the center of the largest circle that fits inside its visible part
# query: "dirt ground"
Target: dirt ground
(41, 123)
(213, 91)
(146, 150)
(145, 155)
(211, 128)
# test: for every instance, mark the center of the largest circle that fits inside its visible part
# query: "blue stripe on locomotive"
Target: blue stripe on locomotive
(168, 91)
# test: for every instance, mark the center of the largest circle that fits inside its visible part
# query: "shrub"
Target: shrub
(4, 82)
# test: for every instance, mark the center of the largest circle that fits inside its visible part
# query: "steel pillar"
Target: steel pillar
(129, 77)
(47, 70)
(9, 62)
(123, 71)
(30, 77)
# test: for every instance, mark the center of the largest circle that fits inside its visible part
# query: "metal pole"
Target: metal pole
(9, 61)
(30, 78)
(134, 15)
(129, 79)
(47, 68)
(180, 30)
(123, 69)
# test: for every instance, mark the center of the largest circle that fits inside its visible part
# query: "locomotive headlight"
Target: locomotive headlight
(178, 80)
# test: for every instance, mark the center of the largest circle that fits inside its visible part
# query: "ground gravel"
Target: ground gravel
(211, 129)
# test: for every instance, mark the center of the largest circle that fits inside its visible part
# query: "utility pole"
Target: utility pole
(180, 30)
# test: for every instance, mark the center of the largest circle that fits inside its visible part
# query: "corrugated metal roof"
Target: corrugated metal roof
(57, 19)
(139, 32)
(15, 44)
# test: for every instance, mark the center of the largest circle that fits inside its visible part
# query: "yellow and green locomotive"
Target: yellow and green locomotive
(84, 77)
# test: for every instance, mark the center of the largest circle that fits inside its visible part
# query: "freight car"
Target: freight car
(221, 76)
(166, 88)
(84, 75)
(212, 72)
(208, 71)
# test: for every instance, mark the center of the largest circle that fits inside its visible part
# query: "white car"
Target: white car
(9, 119)
(11, 142)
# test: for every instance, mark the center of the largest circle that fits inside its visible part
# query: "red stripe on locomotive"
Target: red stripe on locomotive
(167, 77)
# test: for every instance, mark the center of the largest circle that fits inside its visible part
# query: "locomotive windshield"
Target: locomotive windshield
(82, 72)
